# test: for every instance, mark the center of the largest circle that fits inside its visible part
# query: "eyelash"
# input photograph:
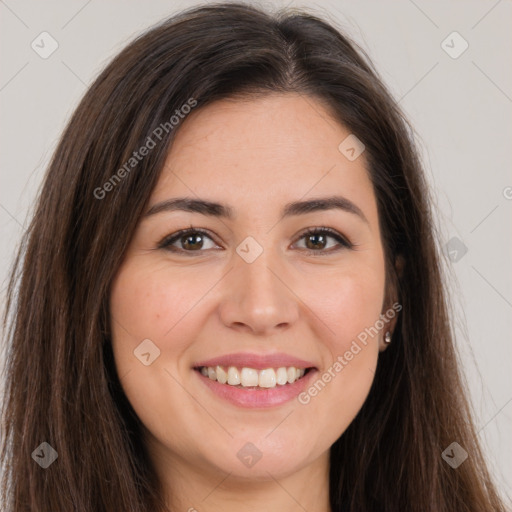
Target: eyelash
(166, 242)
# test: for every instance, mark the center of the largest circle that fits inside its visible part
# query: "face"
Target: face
(257, 284)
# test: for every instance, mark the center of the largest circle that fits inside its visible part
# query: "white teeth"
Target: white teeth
(281, 376)
(233, 376)
(250, 377)
(291, 373)
(267, 378)
(222, 376)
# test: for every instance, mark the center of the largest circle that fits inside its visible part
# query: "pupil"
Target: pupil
(191, 237)
(311, 237)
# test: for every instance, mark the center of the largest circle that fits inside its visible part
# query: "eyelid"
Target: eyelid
(173, 237)
(333, 233)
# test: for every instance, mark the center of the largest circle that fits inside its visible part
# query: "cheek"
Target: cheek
(349, 305)
(152, 303)
(148, 301)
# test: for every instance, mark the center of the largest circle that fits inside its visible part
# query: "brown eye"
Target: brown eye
(188, 240)
(192, 241)
(317, 239)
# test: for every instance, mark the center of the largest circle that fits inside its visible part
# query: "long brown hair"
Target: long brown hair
(61, 385)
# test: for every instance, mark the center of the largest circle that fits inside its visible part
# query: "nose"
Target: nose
(259, 297)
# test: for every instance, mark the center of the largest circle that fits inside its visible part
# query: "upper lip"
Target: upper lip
(256, 361)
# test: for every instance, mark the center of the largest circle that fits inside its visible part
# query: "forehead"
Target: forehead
(256, 152)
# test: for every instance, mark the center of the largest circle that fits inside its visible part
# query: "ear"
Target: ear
(391, 307)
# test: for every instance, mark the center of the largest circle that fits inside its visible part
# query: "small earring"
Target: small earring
(387, 338)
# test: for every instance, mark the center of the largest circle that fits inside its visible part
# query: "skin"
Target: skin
(254, 155)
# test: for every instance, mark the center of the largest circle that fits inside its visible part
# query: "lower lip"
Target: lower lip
(258, 397)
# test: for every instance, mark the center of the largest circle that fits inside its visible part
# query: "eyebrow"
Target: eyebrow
(214, 209)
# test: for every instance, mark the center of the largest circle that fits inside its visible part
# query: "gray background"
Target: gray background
(460, 108)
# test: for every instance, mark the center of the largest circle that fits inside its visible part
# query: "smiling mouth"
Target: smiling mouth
(252, 378)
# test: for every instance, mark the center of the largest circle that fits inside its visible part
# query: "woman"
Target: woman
(230, 293)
